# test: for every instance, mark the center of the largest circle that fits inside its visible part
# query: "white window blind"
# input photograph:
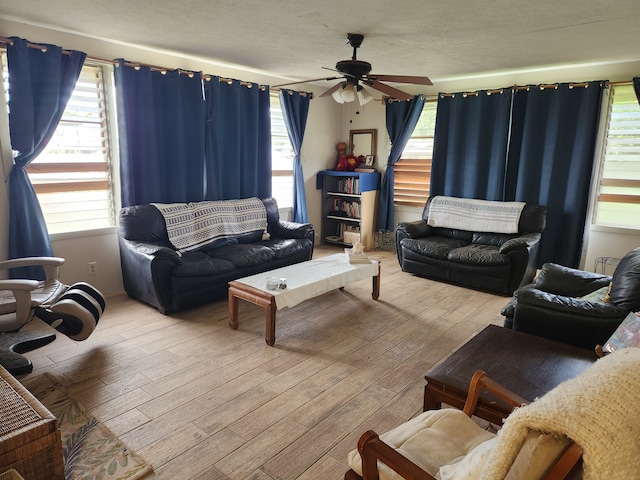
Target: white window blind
(281, 157)
(72, 176)
(412, 173)
(618, 201)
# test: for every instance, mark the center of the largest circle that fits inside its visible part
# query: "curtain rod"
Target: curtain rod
(543, 86)
(155, 68)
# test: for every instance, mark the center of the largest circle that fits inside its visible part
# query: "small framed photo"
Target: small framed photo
(368, 161)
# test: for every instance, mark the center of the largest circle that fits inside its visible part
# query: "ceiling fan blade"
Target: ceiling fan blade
(331, 90)
(391, 91)
(305, 81)
(401, 79)
(341, 73)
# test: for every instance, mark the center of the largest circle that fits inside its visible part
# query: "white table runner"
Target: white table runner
(309, 279)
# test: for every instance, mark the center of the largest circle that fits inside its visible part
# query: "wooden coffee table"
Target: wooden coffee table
(526, 364)
(304, 281)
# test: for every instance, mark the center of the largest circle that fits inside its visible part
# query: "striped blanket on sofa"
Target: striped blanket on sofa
(193, 225)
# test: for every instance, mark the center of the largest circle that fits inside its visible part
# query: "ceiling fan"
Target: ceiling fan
(356, 73)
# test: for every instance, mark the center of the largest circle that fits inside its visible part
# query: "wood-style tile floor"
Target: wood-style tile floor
(201, 401)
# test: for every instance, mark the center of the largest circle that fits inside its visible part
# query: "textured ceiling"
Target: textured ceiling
(293, 39)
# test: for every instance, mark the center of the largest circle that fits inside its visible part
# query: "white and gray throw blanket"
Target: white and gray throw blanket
(475, 215)
(193, 225)
(598, 410)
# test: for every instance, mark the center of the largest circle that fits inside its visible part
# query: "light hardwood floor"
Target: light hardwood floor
(201, 401)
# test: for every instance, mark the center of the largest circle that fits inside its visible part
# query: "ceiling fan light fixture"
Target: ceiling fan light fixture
(364, 97)
(337, 95)
(348, 93)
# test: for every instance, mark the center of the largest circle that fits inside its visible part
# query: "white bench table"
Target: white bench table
(304, 281)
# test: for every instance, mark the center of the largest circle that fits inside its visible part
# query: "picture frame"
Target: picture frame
(368, 161)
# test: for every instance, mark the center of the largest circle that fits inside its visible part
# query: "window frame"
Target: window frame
(599, 179)
(279, 172)
(417, 168)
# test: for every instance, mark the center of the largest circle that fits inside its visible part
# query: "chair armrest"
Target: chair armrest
(569, 282)
(417, 229)
(556, 304)
(49, 264)
(18, 284)
(372, 449)
(479, 382)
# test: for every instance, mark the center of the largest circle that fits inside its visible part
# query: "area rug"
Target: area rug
(91, 451)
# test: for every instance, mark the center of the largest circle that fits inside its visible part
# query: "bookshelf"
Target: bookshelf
(349, 206)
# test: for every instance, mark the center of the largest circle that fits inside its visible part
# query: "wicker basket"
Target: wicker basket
(29, 434)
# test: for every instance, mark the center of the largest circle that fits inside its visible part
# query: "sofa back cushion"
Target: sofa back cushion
(143, 223)
(625, 282)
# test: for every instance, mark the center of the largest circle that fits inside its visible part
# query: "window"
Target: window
(412, 173)
(72, 176)
(281, 157)
(618, 201)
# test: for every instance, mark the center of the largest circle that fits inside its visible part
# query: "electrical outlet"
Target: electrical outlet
(93, 268)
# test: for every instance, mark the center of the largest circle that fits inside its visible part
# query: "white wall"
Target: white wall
(328, 123)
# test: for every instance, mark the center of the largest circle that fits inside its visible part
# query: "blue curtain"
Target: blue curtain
(401, 119)
(161, 130)
(295, 108)
(238, 140)
(40, 85)
(551, 155)
(470, 145)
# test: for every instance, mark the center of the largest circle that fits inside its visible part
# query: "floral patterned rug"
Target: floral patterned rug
(91, 451)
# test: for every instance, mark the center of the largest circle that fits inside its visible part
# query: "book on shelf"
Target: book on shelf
(626, 335)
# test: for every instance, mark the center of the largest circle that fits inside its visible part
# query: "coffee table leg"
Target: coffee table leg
(233, 310)
(375, 292)
(270, 326)
(430, 402)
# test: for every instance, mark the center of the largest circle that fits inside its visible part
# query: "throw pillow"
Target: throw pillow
(598, 295)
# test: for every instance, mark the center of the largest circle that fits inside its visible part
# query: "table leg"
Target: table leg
(375, 292)
(430, 402)
(233, 310)
(270, 326)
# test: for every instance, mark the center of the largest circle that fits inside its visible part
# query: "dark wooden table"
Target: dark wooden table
(526, 364)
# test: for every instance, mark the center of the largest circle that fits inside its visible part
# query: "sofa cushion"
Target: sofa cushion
(197, 264)
(434, 247)
(244, 255)
(477, 254)
(284, 248)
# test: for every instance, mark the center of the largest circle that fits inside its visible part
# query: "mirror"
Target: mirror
(363, 142)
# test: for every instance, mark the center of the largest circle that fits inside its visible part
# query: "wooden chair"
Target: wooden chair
(564, 461)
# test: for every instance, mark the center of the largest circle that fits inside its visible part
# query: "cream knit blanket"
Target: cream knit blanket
(474, 215)
(599, 410)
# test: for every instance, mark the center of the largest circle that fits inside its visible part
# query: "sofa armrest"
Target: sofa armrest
(558, 304)
(417, 229)
(284, 229)
(522, 242)
(568, 281)
(146, 272)
(565, 319)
